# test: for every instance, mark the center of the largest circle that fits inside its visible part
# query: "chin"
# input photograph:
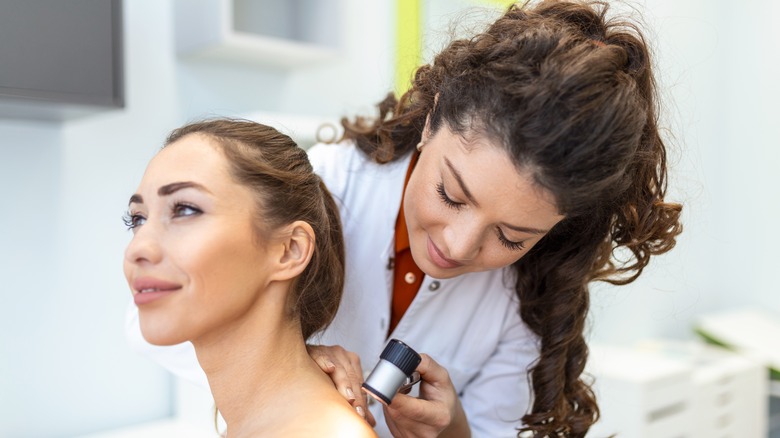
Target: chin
(164, 334)
(441, 274)
(438, 273)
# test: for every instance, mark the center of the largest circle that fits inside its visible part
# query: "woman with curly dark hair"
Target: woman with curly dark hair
(479, 206)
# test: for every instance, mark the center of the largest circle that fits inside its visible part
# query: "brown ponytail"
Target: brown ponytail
(320, 286)
(571, 96)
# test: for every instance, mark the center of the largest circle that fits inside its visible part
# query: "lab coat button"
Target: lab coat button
(410, 277)
(434, 286)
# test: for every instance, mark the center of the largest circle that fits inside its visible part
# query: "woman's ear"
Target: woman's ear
(297, 247)
(426, 132)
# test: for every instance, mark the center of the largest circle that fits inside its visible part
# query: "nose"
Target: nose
(144, 247)
(463, 240)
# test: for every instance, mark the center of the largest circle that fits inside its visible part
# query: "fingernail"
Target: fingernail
(350, 394)
(329, 365)
(360, 412)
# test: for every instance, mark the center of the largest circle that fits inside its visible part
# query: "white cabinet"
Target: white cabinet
(670, 389)
(269, 33)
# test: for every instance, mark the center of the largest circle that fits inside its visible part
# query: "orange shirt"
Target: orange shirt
(407, 277)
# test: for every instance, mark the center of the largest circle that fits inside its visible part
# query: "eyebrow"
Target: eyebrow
(462, 185)
(169, 189)
(470, 197)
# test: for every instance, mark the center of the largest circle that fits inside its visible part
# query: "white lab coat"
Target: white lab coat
(469, 324)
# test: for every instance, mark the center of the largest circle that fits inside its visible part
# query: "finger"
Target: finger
(341, 379)
(405, 406)
(354, 360)
(431, 371)
(370, 418)
(391, 424)
(325, 364)
(360, 399)
(366, 414)
(407, 409)
(346, 372)
(360, 403)
(317, 353)
(353, 378)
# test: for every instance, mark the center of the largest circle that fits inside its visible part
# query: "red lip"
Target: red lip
(154, 289)
(439, 259)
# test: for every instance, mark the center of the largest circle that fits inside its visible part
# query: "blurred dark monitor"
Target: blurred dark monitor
(60, 59)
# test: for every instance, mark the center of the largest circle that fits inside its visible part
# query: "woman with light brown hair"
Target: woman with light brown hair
(237, 247)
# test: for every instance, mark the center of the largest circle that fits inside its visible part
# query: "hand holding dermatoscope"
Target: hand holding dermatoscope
(394, 373)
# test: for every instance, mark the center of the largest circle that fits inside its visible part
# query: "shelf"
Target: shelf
(267, 33)
(261, 51)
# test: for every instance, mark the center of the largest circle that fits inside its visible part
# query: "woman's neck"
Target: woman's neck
(252, 365)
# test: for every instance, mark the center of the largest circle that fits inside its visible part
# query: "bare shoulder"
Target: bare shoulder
(330, 421)
(353, 426)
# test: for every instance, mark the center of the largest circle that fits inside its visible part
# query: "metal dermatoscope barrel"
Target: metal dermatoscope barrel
(394, 369)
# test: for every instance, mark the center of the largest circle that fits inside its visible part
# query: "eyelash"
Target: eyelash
(131, 220)
(514, 246)
(446, 199)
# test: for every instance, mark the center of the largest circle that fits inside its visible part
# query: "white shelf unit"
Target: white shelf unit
(266, 33)
(670, 389)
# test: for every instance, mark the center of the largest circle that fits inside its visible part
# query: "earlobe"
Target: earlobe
(297, 249)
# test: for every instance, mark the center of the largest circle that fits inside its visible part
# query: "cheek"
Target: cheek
(223, 281)
(498, 257)
(194, 257)
(220, 266)
(422, 209)
(203, 259)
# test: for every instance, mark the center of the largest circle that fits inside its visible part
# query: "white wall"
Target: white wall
(717, 67)
(686, 38)
(64, 366)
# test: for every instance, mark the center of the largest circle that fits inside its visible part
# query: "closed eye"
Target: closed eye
(446, 199)
(514, 246)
